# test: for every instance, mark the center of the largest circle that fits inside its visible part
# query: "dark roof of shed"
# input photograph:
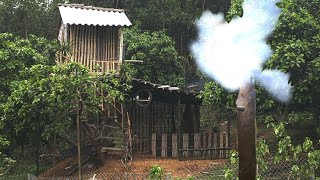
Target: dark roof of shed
(167, 93)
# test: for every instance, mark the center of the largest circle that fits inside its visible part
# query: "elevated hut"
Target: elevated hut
(162, 120)
(92, 36)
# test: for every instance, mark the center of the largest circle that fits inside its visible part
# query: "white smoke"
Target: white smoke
(232, 53)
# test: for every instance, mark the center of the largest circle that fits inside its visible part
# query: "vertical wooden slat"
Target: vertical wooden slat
(164, 148)
(82, 45)
(204, 143)
(112, 48)
(94, 46)
(153, 144)
(215, 145)
(103, 28)
(185, 145)
(226, 145)
(108, 44)
(174, 145)
(98, 44)
(90, 49)
(85, 42)
(221, 144)
(76, 37)
(120, 46)
(70, 43)
(197, 143)
(209, 141)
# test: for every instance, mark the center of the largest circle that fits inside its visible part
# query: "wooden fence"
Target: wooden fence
(208, 145)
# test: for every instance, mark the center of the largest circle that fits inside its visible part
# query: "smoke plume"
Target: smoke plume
(232, 53)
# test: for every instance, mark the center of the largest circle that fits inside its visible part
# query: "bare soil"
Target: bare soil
(141, 164)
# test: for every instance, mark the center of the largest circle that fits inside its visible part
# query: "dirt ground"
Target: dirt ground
(141, 164)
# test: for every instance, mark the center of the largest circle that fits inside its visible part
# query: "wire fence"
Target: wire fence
(273, 171)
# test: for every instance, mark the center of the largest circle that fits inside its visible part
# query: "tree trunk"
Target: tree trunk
(246, 105)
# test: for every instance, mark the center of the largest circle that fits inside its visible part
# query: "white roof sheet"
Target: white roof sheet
(87, 15)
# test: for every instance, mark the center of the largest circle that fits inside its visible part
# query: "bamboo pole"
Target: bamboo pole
(246, 123)
(83, 43)
(79, 142)
(109, 47)
(87, 46)
(94, 45)
(91, 48)
(77, 43)
(71, 42)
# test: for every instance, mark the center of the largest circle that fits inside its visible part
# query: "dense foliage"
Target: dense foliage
(40, 99)
(161, 62)
(295, 43)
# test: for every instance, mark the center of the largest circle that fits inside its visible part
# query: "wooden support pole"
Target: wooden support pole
(154, 144)
(79, 141)
(246, 106)
(164, 140)
(174, 145)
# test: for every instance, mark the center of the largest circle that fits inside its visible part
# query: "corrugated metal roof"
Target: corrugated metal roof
(87, 15)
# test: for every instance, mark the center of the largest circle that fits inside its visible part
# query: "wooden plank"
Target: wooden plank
(204, 142)
(164, 147)
(91, 48)
(120, 45)
(174, 145)
(226, 145)
(76, 37)
(94, 46)
(153, 144)
(82, 44)
(209, 141)
(221, 144)
(112, 48)
(106, 149)
(197, 143)
(185, 145)
(85, 41)
(88, 47)
(70, 40)
(215, 145)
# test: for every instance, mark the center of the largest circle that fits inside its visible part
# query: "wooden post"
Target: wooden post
(185, 144)
(78, 139)
(154, 144)
(247, 132)
(164, 141)
(209, 142)
(226, 145)
(215, 142)
(174, 145)
(204, 143)
(226, 151)
(221, 145)
(197, 143)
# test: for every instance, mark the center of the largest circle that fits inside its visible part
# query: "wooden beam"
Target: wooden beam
(246, 123)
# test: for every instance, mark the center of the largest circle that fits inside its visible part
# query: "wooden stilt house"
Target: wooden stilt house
(92, 36)
(162, 120)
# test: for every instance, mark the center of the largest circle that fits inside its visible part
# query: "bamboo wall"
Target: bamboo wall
(96, 46)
